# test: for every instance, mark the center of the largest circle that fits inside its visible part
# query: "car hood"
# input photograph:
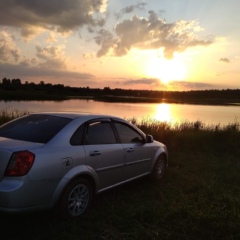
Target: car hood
(8, 146)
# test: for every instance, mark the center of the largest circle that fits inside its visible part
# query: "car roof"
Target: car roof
(74, 115)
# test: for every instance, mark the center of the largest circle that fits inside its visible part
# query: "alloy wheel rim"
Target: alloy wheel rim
(160, 168)
(78, 200)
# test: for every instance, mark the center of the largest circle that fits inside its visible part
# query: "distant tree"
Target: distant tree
(6, 81)
(48, 86)
(58, 87)
(107, 89)
(16, 82)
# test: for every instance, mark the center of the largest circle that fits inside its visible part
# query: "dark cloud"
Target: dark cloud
(189, 85)
(150, 33)
(37, 74)
(130, 9)
(23, 70)
(147, 81)
(225, 60)
(105, 39)
(151, 83)
(62, 15)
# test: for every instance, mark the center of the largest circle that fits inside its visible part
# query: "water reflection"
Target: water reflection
(140, 111)
(162, 112)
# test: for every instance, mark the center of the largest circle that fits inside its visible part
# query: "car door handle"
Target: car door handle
(129, 150)
(94, 153)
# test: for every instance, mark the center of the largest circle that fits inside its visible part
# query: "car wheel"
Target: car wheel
(76, 199)
(159, 168)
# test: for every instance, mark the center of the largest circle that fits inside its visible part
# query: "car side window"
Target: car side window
(128, 134)
(99, 133)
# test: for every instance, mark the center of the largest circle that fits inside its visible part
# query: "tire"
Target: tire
(75, 200)
(159, 168)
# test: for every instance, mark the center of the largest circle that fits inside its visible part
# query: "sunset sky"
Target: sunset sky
(153, 45)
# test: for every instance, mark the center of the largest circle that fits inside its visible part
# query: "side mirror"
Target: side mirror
(149, 139)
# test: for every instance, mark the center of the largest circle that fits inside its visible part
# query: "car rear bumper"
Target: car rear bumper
(21, 195)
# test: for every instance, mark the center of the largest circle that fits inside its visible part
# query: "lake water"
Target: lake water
(210, 115)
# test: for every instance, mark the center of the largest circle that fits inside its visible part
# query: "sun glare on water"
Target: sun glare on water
(162, 112)
(166, 70)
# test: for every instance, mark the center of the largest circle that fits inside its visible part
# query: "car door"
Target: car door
(103, 153)
(138, 153)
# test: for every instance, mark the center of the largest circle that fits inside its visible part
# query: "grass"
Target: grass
(7, 115)
(198, 198)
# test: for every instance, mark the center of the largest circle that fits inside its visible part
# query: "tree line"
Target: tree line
(108, 94)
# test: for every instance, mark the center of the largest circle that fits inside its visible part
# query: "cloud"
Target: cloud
(147, 81)
(224, 60)
(51, 57)
(189, 85)
(32, 15)
(105, 39)
(150, 33)
(8, 50)
(130, 9)
(49, 61)
(52, 37)
(25, 71)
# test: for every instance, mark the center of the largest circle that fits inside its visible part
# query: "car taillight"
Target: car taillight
(20, 163)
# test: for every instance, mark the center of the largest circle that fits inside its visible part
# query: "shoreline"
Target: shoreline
(127, 99)
(204, 97)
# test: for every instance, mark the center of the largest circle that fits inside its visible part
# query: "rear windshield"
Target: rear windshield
(38, 128)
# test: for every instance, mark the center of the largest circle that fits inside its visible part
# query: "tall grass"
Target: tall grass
(198, 198)
(10, 114)
(194, 136)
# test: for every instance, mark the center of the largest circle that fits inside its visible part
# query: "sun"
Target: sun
(166, 70)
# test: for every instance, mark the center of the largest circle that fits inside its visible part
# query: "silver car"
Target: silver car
(62, 160)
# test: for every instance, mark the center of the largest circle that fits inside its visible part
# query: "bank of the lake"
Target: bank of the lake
(198, 198)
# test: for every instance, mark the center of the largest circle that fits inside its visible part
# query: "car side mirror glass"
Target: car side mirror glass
(149, 139)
